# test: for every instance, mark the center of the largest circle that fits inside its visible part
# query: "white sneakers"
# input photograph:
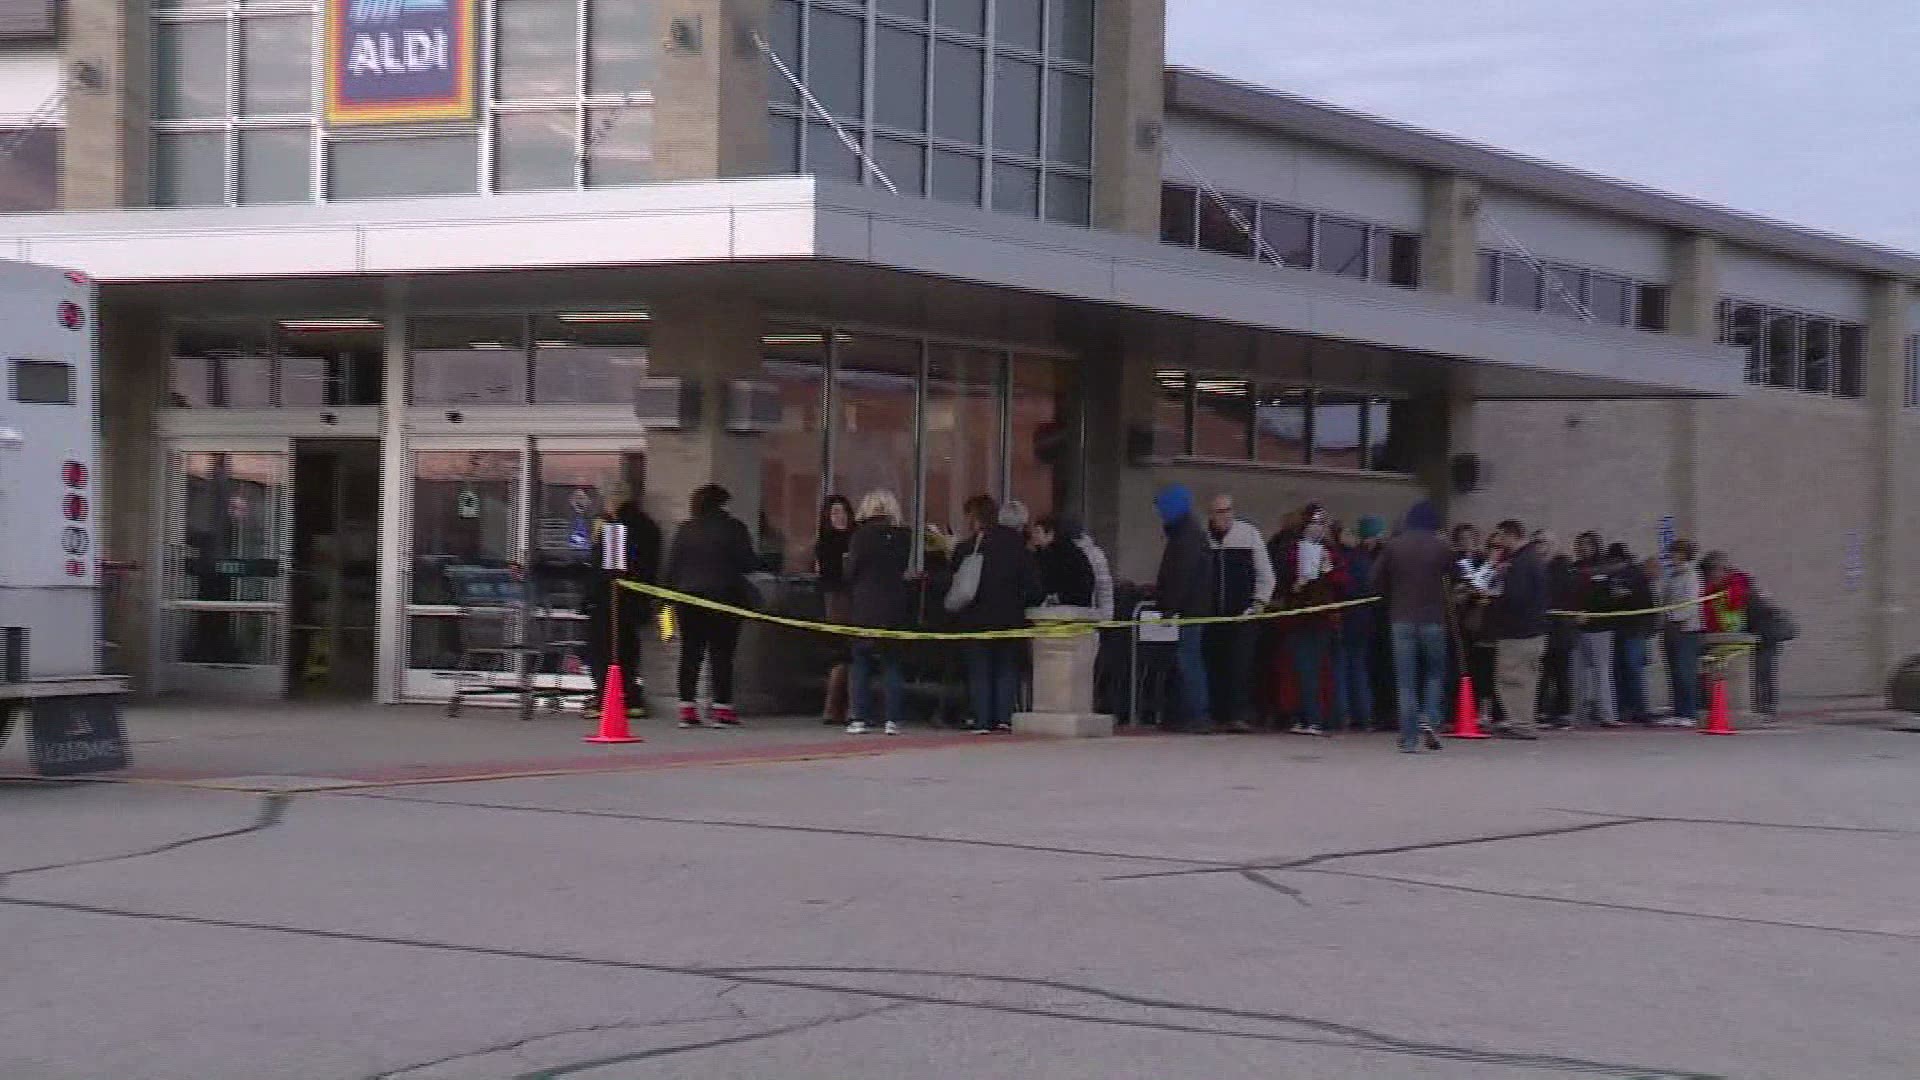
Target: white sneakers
(861, 727)
(1673, 722)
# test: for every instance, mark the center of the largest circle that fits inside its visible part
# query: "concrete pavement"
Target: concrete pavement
(1627, 905)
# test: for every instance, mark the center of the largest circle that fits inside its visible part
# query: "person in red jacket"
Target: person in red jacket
(1726, 612)
(1310, 574)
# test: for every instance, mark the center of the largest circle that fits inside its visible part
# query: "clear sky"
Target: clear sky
(1803, 110)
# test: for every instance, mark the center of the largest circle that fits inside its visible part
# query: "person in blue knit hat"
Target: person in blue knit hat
(1183, 589)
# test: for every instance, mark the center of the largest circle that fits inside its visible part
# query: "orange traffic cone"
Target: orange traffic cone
(1466, 714)
(1719, 720)
(613, 711)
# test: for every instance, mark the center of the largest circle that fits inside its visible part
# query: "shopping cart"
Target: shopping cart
(508, 642)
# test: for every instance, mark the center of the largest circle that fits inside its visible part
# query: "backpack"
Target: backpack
(1770, 622)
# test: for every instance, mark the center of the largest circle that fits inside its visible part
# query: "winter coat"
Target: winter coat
(643, 563)
(1520, 611)
(1242, 569)
(1328, 588)
(1184, 585)
(1065, 573)
(1414, 571)
(710, 557)
(1009, 581)
(1102, 575)
(1359, 624)
(878, 558)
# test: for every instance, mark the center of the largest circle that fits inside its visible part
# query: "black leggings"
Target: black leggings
(707, 636)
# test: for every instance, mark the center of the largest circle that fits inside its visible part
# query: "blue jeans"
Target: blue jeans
(993, 674)
(893, 688)
(1353, 682)
(1190, 661)
(1419, 674)
(1630, 674)
(1683, 668)
(1310, 645)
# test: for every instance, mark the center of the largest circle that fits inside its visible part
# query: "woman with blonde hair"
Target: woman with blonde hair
(880, 595)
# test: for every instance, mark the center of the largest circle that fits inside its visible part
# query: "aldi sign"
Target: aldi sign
(399, 61)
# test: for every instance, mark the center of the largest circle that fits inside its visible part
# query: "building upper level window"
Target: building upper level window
(945, 102)
(1792, 350)
(1575, 292)
(1910, 393)
(564, 100)
(1302, 239)
(1231, 418)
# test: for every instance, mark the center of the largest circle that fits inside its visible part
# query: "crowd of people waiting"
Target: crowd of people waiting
(1388, 620)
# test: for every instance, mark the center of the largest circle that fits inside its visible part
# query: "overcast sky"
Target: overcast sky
(1802, 110)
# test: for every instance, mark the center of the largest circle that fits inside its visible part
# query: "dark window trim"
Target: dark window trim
(1261, 389)
(1376, 268)
(1760, 350)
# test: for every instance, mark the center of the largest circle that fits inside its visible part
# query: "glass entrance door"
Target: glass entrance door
(226, 545)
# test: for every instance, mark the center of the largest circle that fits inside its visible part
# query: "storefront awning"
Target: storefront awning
(1488, 351)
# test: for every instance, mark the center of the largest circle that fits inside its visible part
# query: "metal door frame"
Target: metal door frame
(247, 681)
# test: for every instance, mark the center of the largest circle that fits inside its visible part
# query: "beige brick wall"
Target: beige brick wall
(1906, 538)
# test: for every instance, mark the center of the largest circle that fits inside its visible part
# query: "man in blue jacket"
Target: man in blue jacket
(1184, 589)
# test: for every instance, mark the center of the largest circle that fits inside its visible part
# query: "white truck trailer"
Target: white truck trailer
(50, 633)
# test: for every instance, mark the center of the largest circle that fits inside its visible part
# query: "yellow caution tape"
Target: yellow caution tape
(1590, 615)
(1065, 628)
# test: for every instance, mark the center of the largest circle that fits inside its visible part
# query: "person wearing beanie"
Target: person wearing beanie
(1414, 573)
(1183, 589)
(1353, 648)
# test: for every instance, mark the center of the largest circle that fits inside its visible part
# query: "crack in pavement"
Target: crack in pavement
(1609, 905)
(1789, 825)
(709, 1044)
(818, 830)
(272, 810)
(1398, 849)
(1329, 1033)
(1264, 881)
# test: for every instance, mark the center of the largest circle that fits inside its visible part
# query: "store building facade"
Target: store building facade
(371, 313)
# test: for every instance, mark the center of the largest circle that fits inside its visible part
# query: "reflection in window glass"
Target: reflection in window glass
(276, 66)
(1743, 331)
(533, 150)
(571, 489)
(30, 176)
(189, 168)
(1070, 30)
(391, 168)
(225, 637)
(875, 387)
(791, 454)
(904, 9)
(1170, 429)
(963, 430)
(966, 16)
(900, 59)
(1069, 199)
(1519, 283)
(230, 528)
(959, 91)
(221, 366)
(1564, 286)
(956, 178)
(1852, 347)
(1783, 349)
(276, 165)
(1287, 235)
(1044, 420)
(1178, 213)
(905, 163)
(1226, 229)
(1017, 23)
(783, 144)
(536, 48)
(323, 366)
(469, 361)
(1817, 348)
(1016, 189)
(836, 62)
(1280, 427)
(829, 157)
(1338, 441)
(620, 150)
(190, 69)
(620, 46)
(1610, 299)
(1222, 414)
(1342, 248)
(589, 358)
(464, 514)
(1016, 107)
(1387, 441)
(1070, 119)
(783, 37)
(1489, 276)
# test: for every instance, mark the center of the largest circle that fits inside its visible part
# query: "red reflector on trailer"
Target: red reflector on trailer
(74, 473)
(76, 507)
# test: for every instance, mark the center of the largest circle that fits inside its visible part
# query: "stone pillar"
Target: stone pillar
(133, 385)
(1129, 100)
(1692, 312)
(710, 98)
(1063, 686)
(1887, 330)
(710, 341)
(390, 589)
(105, 146)
(1450, 247)
(1119, 403)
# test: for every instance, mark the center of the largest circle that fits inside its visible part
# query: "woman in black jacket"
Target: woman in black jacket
(1066, 574)
(710, 557)
(1009, 584)
(880, 595)
(830, 569)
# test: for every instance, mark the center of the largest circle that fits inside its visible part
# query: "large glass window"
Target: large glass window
(589, 358)
(1222, 418)
(1783, 349)
(1342, 248)
(1339, 436)
(565, 103)
(1303, 239)
(1280, 427)
(1795, 351)
(296, 363)
(1817, 348)
(963, 430)
(1287, 235)
(876, 391)
(571, 488)
(792, 455)
(1043, 419)
(1033, 145)
(464, 514)
(467, 361)
(1226, 225)
(1235, 420)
